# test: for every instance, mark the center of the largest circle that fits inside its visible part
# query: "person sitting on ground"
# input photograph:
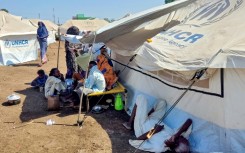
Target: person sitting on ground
(55, 83)
(40, 80)
(163, 138)
(106, 67)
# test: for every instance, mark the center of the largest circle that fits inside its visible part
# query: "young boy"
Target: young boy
(40, 80)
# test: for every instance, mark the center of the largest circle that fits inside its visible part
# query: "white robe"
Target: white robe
(144, 123)
(51, 84)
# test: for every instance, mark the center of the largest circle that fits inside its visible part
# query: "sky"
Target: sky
(65, 9)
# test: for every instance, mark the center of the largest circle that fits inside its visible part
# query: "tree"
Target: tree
(5, 10)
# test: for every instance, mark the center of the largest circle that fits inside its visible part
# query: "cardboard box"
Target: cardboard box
(53, 102)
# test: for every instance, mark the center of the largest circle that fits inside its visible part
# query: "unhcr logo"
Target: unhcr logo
(16, 43)
(7, 44)
(212, 12)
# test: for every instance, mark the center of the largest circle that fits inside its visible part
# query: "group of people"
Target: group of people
(101, 75)
(52, 84)
(150, 134)
(103, 61)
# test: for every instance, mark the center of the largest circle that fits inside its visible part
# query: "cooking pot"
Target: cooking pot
(13, 99)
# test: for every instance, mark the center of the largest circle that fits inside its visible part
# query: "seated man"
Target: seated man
(55, 83)
(163, 137)
(40, 80)
(95, 81)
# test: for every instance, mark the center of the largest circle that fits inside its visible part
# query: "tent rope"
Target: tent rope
(196, 77)
(58, 55)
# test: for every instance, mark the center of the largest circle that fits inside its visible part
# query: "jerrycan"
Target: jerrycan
(118, 102)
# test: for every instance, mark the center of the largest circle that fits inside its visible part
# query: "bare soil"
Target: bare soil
(23, 128)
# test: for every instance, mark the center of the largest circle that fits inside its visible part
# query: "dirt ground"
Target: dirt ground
(101, 133)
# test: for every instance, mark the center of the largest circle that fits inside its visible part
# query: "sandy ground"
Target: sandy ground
(101, 133)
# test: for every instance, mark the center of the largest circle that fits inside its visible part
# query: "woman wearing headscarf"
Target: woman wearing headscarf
(42, 35)
(106, 67)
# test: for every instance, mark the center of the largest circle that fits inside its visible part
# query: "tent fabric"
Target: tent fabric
(184, 47)
(18, 42)
(11, 25)
(207, 29)
(87, 25)
(83, 60)
(216, 111)
(196, 24)
(49, 24)
(138, 27)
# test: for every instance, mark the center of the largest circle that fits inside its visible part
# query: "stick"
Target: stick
(58, 56)
(23, 125)
(79, 123)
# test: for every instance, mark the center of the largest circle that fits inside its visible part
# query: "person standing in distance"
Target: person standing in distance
(42, 35)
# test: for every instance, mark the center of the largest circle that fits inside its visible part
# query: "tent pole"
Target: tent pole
(79, 123)
(58, 56)
(196, 77)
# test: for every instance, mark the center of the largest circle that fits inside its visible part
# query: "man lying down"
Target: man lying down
(164, 138)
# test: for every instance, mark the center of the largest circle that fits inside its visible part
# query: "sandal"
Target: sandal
(41, 64)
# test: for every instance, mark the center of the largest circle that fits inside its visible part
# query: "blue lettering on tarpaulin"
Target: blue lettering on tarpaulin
(16, 43)
(171, 32)
(185, 36)
(194, 38)
(182, 35)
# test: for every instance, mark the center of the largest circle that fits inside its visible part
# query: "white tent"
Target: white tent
(83, 25)
(208, 29)
(18, 42)
(51, 27)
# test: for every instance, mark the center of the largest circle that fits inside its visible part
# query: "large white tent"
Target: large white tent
(83, 25)
(209, 34)
(18, 42)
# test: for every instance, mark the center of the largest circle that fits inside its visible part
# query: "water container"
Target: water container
(118, 102)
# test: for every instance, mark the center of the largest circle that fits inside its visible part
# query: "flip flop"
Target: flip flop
(125, 124)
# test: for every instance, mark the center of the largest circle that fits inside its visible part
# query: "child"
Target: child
(40, 80)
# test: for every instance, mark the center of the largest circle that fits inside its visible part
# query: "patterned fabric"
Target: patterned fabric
(105, 67)
(70, 55)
